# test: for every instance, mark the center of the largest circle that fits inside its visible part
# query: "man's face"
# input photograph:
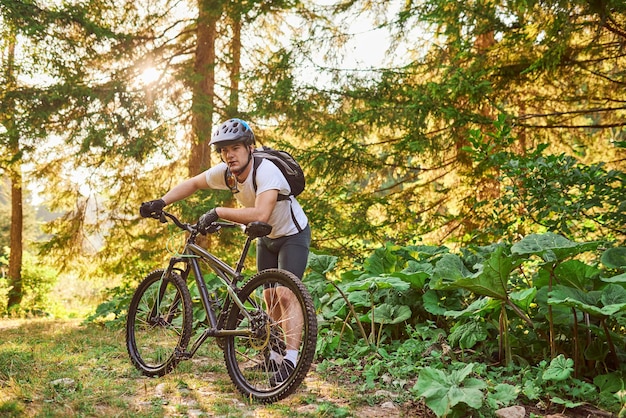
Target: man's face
(235, 155)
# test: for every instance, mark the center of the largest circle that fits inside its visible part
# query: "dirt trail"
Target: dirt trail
(315, 397)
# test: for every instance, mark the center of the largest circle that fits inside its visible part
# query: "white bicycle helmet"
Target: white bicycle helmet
(231, 131)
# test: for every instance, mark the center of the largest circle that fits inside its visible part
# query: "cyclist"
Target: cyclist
(287, 245)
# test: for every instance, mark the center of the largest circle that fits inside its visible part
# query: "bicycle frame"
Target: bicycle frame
(247, 322)
(190, 257)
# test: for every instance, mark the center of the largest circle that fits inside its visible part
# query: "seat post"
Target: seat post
(244, 253)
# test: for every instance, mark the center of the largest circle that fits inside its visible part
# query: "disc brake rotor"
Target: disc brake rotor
(260, 327)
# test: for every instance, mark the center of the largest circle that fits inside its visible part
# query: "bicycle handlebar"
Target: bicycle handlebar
(193, 228)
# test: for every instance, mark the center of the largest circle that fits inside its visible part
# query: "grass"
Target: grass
(62, 368)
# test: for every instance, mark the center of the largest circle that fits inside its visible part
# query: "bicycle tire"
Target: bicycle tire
(158, 326)
(246, 357)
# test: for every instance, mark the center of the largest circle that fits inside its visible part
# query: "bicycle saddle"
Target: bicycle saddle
(258, 229)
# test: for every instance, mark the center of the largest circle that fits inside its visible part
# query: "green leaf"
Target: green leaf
(566, 403)
(523, 298)
(491, 279)
(359, 298)
(468, 334)
(432, 303)
(611, 382)
(378, 283)
(430, 381)
(388, 314)
(551, 247)
(383, 260)
(333, 306)
(531, 390)
(416, 279)
(457, 376)
(597, 350)
(614, 258)
(422, 252)
(613, 294)
(449, 269)
(321, 263)
(440, 405)
(443, 391)
(503, 395)
(470, 393)
(575, 273)
(620, 278)
(476, 308)
(610, 300)
(433, 387)
(560, 369)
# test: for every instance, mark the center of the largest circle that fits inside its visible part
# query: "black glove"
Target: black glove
(152, 209)
(206, 220)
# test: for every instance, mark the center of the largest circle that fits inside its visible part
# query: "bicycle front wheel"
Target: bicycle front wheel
(274, 343)
(158, 327)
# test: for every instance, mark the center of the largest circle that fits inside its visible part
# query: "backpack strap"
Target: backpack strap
(257, 162)
(293, 215)
(255, 165)
(280, 197)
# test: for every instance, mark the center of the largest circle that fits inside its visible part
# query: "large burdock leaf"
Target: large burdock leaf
(613, 295)
(416, 274)
(388, 314)
(372, 284)
(604, 303)
(434, 387)
(321, 263)
(614, 258)
(383, 260)
(560, 369)
(552, 247)
(468, 334)
(444, 391)
(359, 298)
(620, 278)
(478, 307)
(490, 279)
(575, 273)
(524, 298)
(433, 303)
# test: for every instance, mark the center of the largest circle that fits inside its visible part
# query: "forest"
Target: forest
(465, 166)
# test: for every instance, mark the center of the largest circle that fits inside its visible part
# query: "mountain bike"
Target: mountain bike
(248, 318)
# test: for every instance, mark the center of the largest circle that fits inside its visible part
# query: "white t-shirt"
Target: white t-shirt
(268, 177)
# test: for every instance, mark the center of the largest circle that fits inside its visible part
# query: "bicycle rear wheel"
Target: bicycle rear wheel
(280, 317)
(158, 327)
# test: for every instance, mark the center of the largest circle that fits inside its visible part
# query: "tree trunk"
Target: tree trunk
(15, 174)
(203, 86)
(235, 70)
(15, 258)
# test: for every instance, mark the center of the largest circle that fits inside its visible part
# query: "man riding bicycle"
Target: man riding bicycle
(271, 201)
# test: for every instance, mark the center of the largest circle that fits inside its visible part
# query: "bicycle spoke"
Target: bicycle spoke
(274, 360)
(157, 324)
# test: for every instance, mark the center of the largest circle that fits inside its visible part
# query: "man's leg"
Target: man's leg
(293, 256)
(285, 310)
(283, 307)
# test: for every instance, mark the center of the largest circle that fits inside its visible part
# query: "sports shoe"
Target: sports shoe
(269, 366)
(284, 371)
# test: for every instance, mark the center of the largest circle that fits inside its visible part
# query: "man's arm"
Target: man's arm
(186, 189)
(263, 207)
